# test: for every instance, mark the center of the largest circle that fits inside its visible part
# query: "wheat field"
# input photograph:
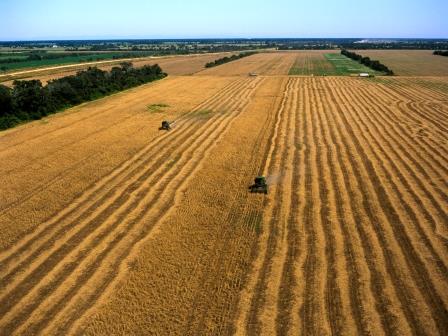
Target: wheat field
(112, 227)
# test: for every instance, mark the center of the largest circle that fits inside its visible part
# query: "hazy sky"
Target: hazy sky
(72, 19)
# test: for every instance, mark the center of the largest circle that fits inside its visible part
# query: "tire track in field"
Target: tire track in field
(221, 122)
(438, 126)
(402, 242)
(433, 108)
(437, 132)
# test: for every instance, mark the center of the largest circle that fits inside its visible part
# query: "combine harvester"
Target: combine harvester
(166, 125)
(259, 186)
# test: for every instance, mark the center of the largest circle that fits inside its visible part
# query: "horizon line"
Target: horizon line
(218, 38)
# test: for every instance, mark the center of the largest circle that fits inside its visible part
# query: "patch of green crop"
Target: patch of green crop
(312, 67)
(345, 66)
(155, 108)
(61, 61)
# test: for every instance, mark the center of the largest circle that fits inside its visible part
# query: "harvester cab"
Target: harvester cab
(166, 125)
(259, 186)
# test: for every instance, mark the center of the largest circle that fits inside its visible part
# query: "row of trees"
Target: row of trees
(228, 59)
(29, 100)
(441, 52)
(375, 65)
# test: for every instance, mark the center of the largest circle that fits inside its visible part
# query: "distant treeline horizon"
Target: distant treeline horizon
(278, 43)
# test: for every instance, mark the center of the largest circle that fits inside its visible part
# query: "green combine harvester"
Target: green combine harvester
(259, 186)
(166, 125)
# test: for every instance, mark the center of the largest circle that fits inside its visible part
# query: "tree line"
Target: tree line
(441, 52)
(374, 65)
(228, 59)
(29, 100)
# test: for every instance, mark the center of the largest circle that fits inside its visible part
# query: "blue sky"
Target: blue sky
(74, 19)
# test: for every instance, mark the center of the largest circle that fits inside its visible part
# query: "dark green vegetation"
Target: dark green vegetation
(11, 61)
(441, 52)
(29, 100)
(228, 59)
(374, 65)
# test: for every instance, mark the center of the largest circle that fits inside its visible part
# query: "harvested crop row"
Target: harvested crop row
(50, 164)
(365, 251)
(199, 256)
(45, 284)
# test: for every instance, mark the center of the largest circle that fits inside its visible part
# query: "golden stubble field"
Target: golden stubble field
(410, 62)
(111, 227)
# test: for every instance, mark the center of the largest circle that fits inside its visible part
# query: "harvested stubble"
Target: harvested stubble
(135, 232)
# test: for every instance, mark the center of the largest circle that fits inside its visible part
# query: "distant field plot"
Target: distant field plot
(268, 64)
(320, 63)
(312, 63)
(410, 62)
(56, 61)
(346, 66)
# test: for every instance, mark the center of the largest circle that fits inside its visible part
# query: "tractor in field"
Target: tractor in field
(259, 186)
(166, 125)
